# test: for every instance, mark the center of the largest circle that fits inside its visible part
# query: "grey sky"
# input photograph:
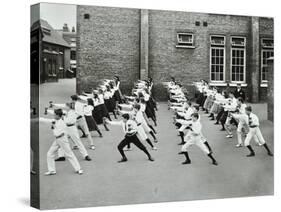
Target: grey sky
(58, 14)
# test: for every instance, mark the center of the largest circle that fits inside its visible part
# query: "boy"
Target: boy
(196, 137)
(61, 141)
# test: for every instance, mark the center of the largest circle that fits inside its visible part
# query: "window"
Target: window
(265, 54)
(217, 40)
(73, 55)
(238, 59)
(267, 51)
(185, 40)
(217, 59)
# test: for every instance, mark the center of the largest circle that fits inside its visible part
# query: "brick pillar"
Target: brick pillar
(270, 89)
(255, 59)
(144, 44)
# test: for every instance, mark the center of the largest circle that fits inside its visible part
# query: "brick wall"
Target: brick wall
(108, 44)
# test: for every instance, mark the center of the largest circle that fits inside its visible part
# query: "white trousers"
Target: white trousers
(83, 125)
(64, 145)
(141, 133)
(252, 133)
(74, 136)
(198, 141)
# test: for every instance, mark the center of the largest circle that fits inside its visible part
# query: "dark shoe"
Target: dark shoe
(151, 159)
(101, 136)
(83, 136)
(60, 159)
(251, 155)
(88, 158)
(216, 123)
(123, 160)
(186, 162)
(181, 153)
(222, 129)
(182, 143)
(212, 119)
(270, 154)
(215, 163)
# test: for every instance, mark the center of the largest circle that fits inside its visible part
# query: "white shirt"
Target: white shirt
(253, 120)
(70, 117)
(59, 126)
(196, 128)
(130, 126)
(139, 117)
(79, 108)
(88, 110)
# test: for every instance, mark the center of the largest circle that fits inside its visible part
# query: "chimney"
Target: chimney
(65, 28)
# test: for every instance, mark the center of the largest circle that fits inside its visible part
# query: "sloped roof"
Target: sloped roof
(54, 37)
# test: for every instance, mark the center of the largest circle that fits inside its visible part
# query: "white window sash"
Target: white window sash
(210, 64)
(244, 65)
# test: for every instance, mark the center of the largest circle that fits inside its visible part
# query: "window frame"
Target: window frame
(210, 64)
(238, 47)
(262, 65)
(183, 44)
(215, 44)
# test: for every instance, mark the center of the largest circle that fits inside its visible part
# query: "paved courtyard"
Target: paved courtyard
(106, 182)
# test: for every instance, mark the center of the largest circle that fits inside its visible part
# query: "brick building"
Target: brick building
(70, 37)
(136, 43)
(54, 51)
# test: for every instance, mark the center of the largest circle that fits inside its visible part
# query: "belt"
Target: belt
(139, 124)
(254, 126)
(79, 117)
(70, 125)
(61, 135)
(130, 134)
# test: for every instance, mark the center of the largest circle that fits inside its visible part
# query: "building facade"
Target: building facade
(70, 37)
(54, 52)
(136, 43)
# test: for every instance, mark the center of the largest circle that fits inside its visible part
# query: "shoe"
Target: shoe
(216, 123)
(239, 145)
(123, 160)
(222, 129)
(154, 148)
(33, 172)
(182, 143)
(251, 155)
(180, 153)
(151, 159)
(270, 154)
(80, 172)
(60, 159)
(212, 119)
(88, 158)
(92, 147)
(229, 136)
(49, 173)
(75, 147)
(83, 136)
(156, 141)
(215, 163)
(128, 149)
(101, 136)
(186, 162)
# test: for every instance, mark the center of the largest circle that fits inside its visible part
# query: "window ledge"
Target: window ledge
(264, 85)
(218, 84)
(185, 47)
(234, 84)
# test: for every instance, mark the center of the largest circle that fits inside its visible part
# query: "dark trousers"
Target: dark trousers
(131, 139)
